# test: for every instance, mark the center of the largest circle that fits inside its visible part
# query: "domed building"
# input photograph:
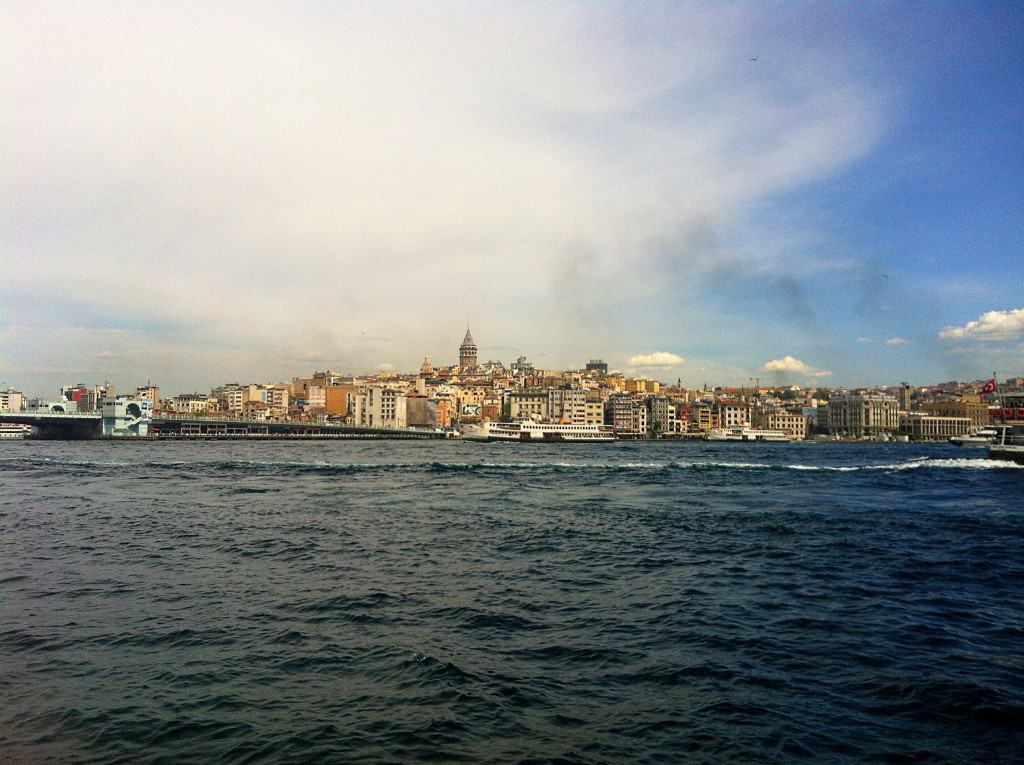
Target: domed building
(426, 369)
(467, 351)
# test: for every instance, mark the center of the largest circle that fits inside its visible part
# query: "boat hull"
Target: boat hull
(1007, 453)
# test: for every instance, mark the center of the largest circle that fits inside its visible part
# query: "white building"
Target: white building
(381, 407)
(11, 400)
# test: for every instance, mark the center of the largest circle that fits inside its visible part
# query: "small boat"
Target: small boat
(744, 433)
(981, 438)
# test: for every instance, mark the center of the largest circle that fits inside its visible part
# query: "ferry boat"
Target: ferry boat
(14, 430)
(744, 433)
(1010, 447)
(525, 430)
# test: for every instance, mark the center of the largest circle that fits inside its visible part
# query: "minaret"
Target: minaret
(467, 351)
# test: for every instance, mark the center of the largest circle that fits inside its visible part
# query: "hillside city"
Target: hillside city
(445, 397)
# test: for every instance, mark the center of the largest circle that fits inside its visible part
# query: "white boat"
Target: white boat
(14, 430)
(981, 439)
(525, 430)
(744, 433)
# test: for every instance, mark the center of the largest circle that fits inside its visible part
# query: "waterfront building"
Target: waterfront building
(568, 405)
(793, 424)
(420, 413)
(919, 426)
(379, 406)
(862, 415)
(662, 415)
(235, 398)
(628, 415)
(191, 403)
(733, 414)
(527, 403)
(702, 415)
(593, 413)
(274, 396)
(467, 352)
(969, 406)
(11, 400)
(339, 400)
(316, 397)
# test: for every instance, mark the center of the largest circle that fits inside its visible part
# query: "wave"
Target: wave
(322, 466)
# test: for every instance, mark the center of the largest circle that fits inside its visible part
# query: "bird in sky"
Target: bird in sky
(754, 58)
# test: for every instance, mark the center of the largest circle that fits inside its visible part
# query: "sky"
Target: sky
(799, 193)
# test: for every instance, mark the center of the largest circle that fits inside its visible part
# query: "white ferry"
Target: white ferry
(1009, 447)
(529, 431)
(13, 430)
(743, 433)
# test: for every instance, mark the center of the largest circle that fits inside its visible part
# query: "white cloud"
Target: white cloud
(992, 325)
(789, 364)
(896, 341)
(865, 340)
(385, 367)
(108, 355)
(395, 169)
(660, 359)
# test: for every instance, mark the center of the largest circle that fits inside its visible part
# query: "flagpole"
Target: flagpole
(1002, 410)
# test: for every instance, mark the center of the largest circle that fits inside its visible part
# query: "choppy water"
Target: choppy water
(403, 602)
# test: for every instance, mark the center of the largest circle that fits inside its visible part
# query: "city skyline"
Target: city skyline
(200, 192)
(468, 369)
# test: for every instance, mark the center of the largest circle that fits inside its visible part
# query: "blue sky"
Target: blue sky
(202, 193)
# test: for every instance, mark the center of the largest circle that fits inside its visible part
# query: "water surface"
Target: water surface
(413, 601)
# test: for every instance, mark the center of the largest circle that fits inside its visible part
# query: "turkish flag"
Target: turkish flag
(989, 387)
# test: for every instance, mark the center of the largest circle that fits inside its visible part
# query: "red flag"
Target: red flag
(989, 387)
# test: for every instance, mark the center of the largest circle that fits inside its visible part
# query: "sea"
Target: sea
(441, 601)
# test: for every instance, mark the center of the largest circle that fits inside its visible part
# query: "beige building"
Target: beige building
(925, 427)
(593, 413)
(11, 400)
(792, 424)
(863, 415)
(568, 406)
(976, 411)
(191, 403)
(528, 403)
